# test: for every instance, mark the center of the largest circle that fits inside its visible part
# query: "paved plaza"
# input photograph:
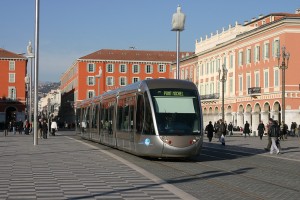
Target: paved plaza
(65, 167)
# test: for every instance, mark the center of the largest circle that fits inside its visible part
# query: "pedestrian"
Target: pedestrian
(247, 129)
(40, 126)
(53, 127)
(298, 131)
(20, 127)
(230, 128)
(274, 134)
(45, 129)
(6, 127)
(261, 129)
(210, 131)
(221, 131)
(14, 126)
(283, 131)
(26, 127)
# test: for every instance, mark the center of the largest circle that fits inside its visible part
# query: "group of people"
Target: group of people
(220, 130)
(274, 131)
(19, 126)
(43, 128)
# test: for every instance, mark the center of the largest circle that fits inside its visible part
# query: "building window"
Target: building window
(109, 81)
(161, 68)
(276, 48)
(12, 65)
(240, 83)
(148, 78)
(276, 78)
(149, 69)
(12, 93)
(257, 53)
(110, 68)
(266, 79)
(266, 50)
(249, 56)
(123, 68)
(122, 81)
(135, 79)
(90, 80)
(257, 79)
(248, 80)
(231, 85)
(240, 58)
(212, 88)
(231, 61)
(90, 93)
(91, 67)
(12, 78)
(135, 69)
(182, 74)
(207, 68)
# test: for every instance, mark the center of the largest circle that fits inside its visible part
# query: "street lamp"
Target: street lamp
(27, 79)
(284, 65)
(223, 78)
(178, 21)
(99, 76)
(30, 56)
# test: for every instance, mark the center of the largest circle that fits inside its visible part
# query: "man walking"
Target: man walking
(274, 134)
(247, 129)
(261, 129)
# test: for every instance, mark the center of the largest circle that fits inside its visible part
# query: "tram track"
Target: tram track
(229, 187)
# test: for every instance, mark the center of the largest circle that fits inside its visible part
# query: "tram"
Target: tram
(158, 118)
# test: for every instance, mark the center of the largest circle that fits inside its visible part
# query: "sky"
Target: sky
(70, 29)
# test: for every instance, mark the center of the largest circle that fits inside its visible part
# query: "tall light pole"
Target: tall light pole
(99, 76)
(30, 56)
(284, 65)
(178, 21)
(223, 78)
(36, 72)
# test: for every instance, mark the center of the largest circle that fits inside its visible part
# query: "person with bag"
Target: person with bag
(53, 127)
(274, 132)
(221, 131)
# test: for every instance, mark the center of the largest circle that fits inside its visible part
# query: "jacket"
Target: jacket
(274, 130)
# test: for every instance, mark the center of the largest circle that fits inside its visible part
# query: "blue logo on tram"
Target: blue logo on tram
(147, 141)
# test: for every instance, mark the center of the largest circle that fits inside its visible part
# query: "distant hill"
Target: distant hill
(46, 87)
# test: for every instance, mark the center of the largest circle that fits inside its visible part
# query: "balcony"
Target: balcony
(210, 96)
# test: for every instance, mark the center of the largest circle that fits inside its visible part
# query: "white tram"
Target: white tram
(153, 118)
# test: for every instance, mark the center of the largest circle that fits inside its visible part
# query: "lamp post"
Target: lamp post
(178, 21)
(99, 76)
(284, 65)
(30, 56)
(27, 79)
(223, 78)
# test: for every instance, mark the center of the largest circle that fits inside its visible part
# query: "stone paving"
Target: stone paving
(63, 168)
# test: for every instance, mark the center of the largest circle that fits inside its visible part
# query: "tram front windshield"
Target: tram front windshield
(177, 111)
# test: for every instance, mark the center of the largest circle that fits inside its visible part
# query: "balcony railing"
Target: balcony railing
(210, 96)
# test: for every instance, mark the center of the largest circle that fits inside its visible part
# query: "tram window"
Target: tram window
(148, 124)
(120, 114)
(174, 119)
(94, 114)
(139, 114)
(87, 117)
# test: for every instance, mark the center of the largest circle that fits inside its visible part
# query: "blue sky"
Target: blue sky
(70, 29)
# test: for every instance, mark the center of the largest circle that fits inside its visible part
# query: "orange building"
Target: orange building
(12, 86)
(117, 68)
(250, 54)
